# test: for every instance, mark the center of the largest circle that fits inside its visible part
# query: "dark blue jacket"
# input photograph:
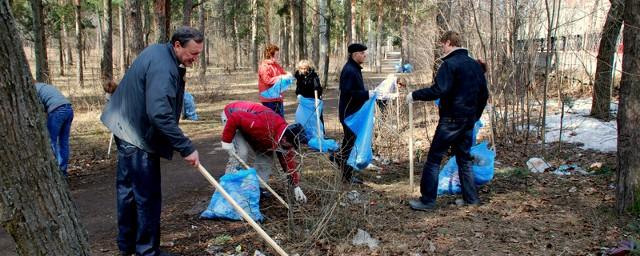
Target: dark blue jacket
(460, 85)
(352, 91)
(145, 108)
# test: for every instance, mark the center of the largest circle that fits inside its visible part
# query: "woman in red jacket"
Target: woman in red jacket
(269, 73)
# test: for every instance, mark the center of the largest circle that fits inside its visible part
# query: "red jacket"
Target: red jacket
(263, 129)
(268, 74)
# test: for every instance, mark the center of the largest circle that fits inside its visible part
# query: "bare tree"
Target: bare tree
(80, 68)
(302, 49)
(205, 54)
(628, 170)
(106, 63)
(325, 39)
(134, 28)
(404, 33)
(379, 13)
(267, 21)
(347, 22)
(124, 62)
(601, 97)
(315, 35)
(162, 10)
(35, 202)
(40, 42)
(186, 12)
(254, 33)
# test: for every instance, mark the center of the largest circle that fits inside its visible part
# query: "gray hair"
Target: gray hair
(185, 34)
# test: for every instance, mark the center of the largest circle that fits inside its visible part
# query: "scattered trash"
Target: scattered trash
(213, 249)
(537, 165)
(363, 238)
(258, 253)
(624, 247)
(459, 202)
(373, 167)
(595, 166)
(569, 169)
(354, 197)
(573, 190)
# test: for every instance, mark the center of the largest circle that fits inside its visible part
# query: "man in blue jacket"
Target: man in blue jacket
(462, 89)
(352, 96)
(143, 114)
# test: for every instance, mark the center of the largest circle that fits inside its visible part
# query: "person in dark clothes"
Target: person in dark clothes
(143, 115)
(307, 82)
(462, 89)
(352, 96)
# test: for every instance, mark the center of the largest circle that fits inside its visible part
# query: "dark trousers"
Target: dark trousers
(348, 141)
(456, 133)
(59, 126)
(139, 199)
(278, 107)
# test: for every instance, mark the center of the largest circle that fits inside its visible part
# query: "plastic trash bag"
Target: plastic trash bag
(306, 116)
(328, 145)
(482, 168)
(244, 188)
(278, 88)
(407, 68)
(189, 111)
(361, 123)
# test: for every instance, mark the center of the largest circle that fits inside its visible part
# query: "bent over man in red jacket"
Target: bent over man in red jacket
(251, 129)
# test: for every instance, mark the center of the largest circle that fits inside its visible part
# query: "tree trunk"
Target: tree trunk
(65, 36)
(380, 12)
(60, 51)
(601, 98)
(134, 28)
(35, 202)
(186, 12)
(404, 33)
(347, 23)
(628, 170)
(146, 21)
(354, 31)
(40, 42)
(315, 35)
(285, 40)
(106, 63)
(80, 63)
(124, 62)
(203, 56)
(98, 31)
(325, 37)
(161, 10)
(254, 34)
(236, 39)
(293, 19)
(267, 23)
(302, 49)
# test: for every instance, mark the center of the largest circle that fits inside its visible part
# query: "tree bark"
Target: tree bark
(601, 98)
(325, 37)
(106, 63)
(267, 19)
(60, 50)
(161, 10)
(302, 49)
(348, 36)
(80, 68)
(40, 42)
(352, 23)
(293, 19)
(379, 14)
(236, 39)
(186, 12)
(35, 202)
(146, 21)
(254, 34)
(315, 35)
(124, 62)
(204, 55)
(134, 28)
(628, 170)
(404, 33)
(285, 40)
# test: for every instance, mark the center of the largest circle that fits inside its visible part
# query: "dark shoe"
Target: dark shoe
(353, 180)
(420, 206)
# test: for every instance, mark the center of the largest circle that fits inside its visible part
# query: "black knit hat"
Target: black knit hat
(356, 47)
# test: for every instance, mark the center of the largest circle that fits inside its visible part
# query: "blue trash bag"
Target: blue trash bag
(482, 168)
(244, 188)
(398, 68)
(328, 145)
(407, 68)
(361, 123)
(189, 111)
(277, 89)
(306, 116)
(476, 129)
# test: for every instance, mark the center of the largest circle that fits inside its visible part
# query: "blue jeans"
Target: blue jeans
(278, 107)
(139, 200)
(59, 126)
(456, 133)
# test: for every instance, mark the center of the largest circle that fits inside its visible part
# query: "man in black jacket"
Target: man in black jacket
(352, 96)
(462, 89)
(143, 114)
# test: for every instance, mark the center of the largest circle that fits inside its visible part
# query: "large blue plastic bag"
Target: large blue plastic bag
(244, 188)
(306, 116)
(328, 145)
(278, 88)
(361, 123)
(482, 168)
(190, 107)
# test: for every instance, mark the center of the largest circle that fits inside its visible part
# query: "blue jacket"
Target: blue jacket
(145, 108)
(460, 85)
(352, 91)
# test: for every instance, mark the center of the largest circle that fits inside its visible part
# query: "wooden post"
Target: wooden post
(320, 139)
(242, 213)
(411, 146)
(264, 183)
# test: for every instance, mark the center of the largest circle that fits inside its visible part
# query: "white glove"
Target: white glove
(409, 98)
(228, 147)
(300, 197)
(371, 93)
(299, 97)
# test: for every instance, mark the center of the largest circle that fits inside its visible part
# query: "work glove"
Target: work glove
(300, 197)
(409, 98)
(372, 93)
(228, 147)
(299, 97)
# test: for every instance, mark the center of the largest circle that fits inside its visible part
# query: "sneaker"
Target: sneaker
(420, 206)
